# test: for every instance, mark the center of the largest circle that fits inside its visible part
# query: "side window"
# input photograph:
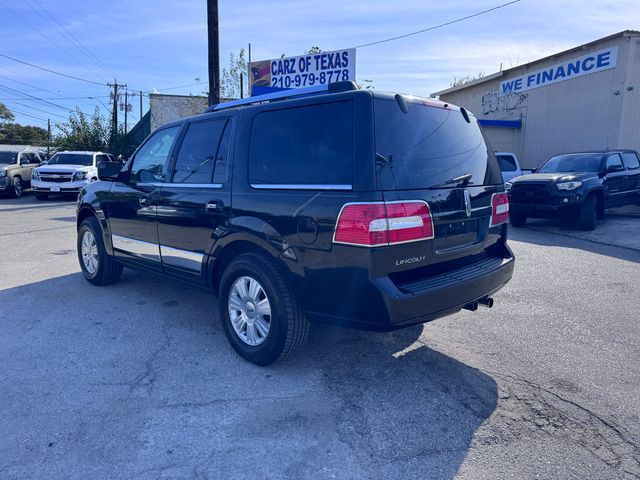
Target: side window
(507, 163)
(103, 158)
(310, 145)
(199, 153)
(150, 161)
(615, 161)
(631, 160)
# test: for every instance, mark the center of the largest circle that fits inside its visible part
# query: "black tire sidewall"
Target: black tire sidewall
(270, 350)
(17, 180)
(589, 213)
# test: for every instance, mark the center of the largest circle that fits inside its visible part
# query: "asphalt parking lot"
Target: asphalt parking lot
(137, 381)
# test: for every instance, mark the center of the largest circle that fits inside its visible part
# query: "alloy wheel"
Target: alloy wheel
(249, 311)
(89, 251)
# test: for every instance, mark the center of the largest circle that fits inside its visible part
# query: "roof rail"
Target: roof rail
(286, 94)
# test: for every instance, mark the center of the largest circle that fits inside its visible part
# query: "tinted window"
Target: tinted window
(506, 162)
(71, 159)
(199, 152)
(103, 158)
(310, 145)
(577, 162)
(631, 160)
(428, 146)
(615, 161)
(150, 161)
(8, 158)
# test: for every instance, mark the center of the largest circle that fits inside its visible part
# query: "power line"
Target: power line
(51, 71)
(39, 110)
(69, 36)
(43, 35)
(438, 26)
(28, 115)
(18, 92)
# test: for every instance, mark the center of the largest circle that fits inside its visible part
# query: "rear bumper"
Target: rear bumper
(426, 299)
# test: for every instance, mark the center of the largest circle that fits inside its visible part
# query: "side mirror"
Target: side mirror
(109, 171)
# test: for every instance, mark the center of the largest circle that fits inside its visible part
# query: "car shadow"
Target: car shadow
(142, 378)
(615, 236)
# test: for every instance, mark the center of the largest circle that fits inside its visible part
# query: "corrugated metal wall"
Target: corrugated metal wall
(630, 92)
(578, 114)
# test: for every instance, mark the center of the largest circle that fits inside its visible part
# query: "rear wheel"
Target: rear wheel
(41, 196)
(17, 187)
(517, 219)
(259, 312)
(589, 213)
(97, 266)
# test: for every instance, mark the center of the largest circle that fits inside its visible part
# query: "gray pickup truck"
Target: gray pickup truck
(15, 170)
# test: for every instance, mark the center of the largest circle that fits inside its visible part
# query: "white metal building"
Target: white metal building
(585, 98)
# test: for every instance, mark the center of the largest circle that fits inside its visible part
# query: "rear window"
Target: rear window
(427, 146)
(303, 146)
(506, 162)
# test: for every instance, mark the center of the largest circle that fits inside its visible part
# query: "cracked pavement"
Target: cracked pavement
(137, 381)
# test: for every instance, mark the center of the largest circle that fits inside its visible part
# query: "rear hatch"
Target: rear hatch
(432, 152)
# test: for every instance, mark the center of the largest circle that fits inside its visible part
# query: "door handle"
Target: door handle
(214, 205)
(143, 201)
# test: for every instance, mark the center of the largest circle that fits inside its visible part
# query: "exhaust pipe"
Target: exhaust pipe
(486, 302)
(472, 307)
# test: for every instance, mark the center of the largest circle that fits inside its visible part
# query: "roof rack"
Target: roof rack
(286, 94)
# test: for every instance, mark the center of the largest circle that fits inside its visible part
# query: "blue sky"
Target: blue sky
(162, 44)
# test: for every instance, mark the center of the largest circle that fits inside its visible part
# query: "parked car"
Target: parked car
(67, 172)
(15, 170)
(319, 204)
(579, 185)
(509, 165)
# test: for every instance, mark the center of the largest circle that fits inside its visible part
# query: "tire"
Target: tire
(103, 270)
(589, 213)
(41, 196)
(287, 327)
(18, 187)
(517, 219)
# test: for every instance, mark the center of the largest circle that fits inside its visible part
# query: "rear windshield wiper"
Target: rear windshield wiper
(462, 180)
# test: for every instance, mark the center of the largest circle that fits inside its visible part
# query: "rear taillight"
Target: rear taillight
(383, 223)
(499, 209)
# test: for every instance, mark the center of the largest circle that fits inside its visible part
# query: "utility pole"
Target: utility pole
(214, 52)
(140, 104)
(126, 109)
(114, 113)
(48, 136)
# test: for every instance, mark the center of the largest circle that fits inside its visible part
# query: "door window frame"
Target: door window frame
(168, 161)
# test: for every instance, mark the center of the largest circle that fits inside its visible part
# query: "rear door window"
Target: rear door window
(303, 147)
(631, 160)
(428, 146)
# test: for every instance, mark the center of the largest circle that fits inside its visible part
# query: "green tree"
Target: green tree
(5, 113)
(469, 78)
(230, 76)
(83, 132)
(13, 133)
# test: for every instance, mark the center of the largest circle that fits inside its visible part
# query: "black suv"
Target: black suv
(578, 185)
(328, 204)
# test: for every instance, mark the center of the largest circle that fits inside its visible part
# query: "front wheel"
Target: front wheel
(260, 315)
(589, 213)
(96, 264)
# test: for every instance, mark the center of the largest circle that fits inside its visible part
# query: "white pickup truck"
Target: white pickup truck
(510, 166)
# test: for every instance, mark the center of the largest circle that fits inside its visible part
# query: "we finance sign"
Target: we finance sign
(578, 67)
(302, 71)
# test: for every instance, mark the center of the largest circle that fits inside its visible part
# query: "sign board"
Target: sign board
(268, 76)
(578, 67)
